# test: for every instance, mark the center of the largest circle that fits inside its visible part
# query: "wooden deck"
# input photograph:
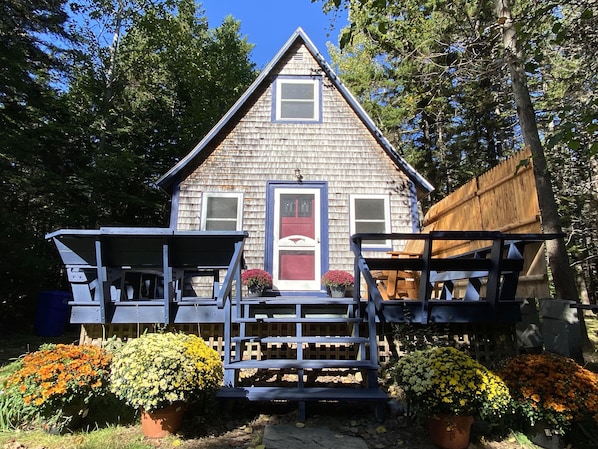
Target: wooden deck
(130, 275)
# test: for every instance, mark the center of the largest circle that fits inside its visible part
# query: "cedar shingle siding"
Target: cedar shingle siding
(250, 149)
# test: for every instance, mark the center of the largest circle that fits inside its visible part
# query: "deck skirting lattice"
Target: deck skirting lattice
(485, 343)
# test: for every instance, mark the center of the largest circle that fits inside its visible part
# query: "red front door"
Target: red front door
(296, 258)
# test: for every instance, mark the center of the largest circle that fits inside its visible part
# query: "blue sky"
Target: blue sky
(269, 23)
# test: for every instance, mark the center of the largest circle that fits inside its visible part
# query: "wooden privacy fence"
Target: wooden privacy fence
(503, 199)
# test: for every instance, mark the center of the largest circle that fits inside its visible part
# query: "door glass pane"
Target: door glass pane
(287, 205)
(297, 215)
(296, 265)
(305, 206)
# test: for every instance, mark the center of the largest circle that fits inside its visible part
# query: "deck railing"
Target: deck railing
(479, 286)
(137, 275)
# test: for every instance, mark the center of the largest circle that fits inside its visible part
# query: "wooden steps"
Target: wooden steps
(300, 364)
(304, 394)
(298, 316)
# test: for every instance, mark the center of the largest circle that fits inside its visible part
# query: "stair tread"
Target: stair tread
(294, 363)
(305, 339)
(294, 319)
(292, 300)
(304, 393)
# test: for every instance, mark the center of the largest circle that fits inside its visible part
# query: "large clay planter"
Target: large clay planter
(450, 432)
(162, 422)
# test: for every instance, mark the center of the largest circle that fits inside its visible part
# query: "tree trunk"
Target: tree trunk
(558, 259)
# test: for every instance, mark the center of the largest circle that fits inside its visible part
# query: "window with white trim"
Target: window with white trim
(296, 99)
(222, 211)
(370, 214)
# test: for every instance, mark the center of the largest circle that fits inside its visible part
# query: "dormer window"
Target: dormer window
(297, 99)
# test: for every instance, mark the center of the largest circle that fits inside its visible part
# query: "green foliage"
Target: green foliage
(31, 120)
(553, 389)
(455, 95)
(433, 89)
(87, 128)
(113, 437)
(11, 404)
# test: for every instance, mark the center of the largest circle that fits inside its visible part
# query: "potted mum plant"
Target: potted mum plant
(337, 282)
(57, 384)
(450, 388)
(160, 373)
(256, 280)
(551, 393)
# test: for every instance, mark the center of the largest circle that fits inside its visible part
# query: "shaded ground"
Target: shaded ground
(246, 427)
(242, 425)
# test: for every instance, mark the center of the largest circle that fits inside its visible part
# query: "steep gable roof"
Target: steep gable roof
(423, 187)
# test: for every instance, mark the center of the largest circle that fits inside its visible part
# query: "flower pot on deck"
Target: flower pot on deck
(338, 291)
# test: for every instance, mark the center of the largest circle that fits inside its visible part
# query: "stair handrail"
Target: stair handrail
(233, 274)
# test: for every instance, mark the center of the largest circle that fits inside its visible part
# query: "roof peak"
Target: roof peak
(169, 178)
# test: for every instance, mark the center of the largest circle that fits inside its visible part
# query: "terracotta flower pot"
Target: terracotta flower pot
(449, 431)
(162, 422)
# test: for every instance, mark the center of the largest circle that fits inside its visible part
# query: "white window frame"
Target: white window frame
(277, 99)
(386, 220)
(204, 207)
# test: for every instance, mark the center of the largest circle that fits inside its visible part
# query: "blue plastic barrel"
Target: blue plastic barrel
(52, 313)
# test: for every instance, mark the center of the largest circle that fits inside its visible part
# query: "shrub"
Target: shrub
(445, 380)
(155, 370)
(551, 388)
(56, 380)
(256, 278)
(337, 278)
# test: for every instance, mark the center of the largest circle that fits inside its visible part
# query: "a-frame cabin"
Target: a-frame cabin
(295, 179)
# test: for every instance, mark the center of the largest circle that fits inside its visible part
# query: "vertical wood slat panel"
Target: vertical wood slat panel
(502, 199)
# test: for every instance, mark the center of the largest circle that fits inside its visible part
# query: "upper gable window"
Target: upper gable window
(297, 99)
